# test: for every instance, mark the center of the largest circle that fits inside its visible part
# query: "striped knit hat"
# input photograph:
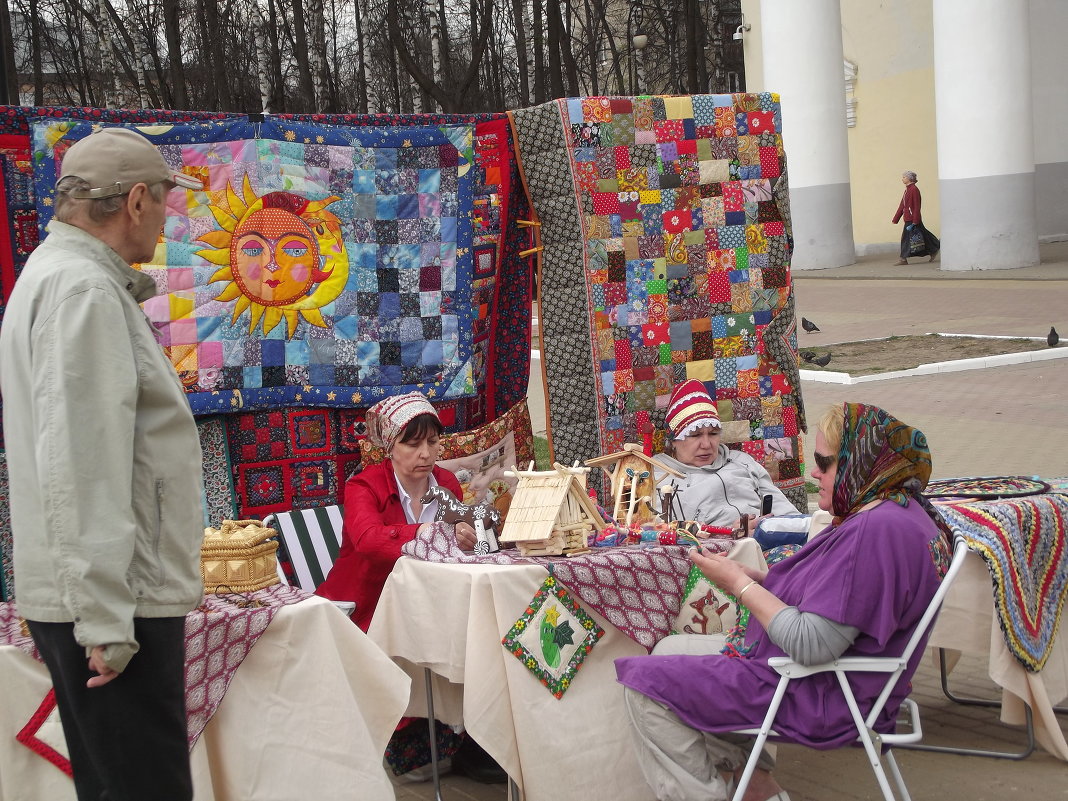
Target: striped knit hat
(690, 408)
(387, 418)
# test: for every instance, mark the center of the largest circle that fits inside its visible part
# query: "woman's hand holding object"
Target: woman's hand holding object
(725, 573)
(465, 536)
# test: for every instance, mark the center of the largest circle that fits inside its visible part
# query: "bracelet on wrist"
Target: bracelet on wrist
(746, 587)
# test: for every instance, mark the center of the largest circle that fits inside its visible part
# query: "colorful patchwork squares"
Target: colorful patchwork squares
(697, 279)
(260, 294)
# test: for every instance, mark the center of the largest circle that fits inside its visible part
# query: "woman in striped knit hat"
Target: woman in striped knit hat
(719, 485)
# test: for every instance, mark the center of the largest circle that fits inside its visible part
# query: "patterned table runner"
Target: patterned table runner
(639, 590)
(218, 636)
(1022, 541)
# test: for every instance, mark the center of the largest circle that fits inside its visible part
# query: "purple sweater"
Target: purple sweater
(875, 572)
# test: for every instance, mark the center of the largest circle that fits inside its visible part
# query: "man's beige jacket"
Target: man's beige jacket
(102, 450)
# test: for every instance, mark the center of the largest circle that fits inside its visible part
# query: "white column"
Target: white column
(986, 156)
(1049, 66)
(802, 49)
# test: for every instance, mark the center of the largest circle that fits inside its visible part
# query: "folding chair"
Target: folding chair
(892, 666)
(309, 540)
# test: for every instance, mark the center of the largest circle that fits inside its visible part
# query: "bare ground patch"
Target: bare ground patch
(868, 357)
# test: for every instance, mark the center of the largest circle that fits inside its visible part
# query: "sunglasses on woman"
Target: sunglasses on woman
(823, 461)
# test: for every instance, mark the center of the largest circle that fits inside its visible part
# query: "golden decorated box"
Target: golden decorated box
(239, 556)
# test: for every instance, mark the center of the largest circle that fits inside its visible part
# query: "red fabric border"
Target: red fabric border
(28, 735)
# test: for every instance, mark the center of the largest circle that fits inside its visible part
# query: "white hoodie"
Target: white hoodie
(720, 493)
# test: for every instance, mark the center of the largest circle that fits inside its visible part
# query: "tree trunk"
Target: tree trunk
(692, 52)
(316, 53)
(617, 68)
(522, 58)
(9, 85)
(593, 48)
(556, 76)
(567, 54)
(35, 48)
(300, 53)
(278, 95)
(432, 7)
(540, 93)
(703, 26)
(107, 68)
(260, 26)
(173, 35)
(216, 66)
(363, 78)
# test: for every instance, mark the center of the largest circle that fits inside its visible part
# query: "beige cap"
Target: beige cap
(112, 160)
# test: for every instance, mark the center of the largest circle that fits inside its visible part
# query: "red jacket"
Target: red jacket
(375, 529)
(909, 207)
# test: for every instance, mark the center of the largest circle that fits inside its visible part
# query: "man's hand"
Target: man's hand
(465, 536)
(96, 664)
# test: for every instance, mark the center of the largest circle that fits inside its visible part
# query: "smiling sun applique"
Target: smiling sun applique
(282, 255)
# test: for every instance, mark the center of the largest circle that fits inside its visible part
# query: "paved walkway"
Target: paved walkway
(997, 421)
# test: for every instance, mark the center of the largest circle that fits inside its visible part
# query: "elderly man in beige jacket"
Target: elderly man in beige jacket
(105, 473)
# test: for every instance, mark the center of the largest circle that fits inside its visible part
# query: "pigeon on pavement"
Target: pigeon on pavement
(808, 325)
(823, 360)
(1053, 337)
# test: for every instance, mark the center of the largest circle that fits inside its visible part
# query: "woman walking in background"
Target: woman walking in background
(915, 239)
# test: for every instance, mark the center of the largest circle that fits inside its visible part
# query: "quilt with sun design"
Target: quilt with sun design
(322, 264)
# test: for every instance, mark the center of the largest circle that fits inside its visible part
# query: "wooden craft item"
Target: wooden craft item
(551, 514)
(633, 482)
(451, 510)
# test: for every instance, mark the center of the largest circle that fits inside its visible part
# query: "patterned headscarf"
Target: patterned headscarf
(881, 458)
(387, 418)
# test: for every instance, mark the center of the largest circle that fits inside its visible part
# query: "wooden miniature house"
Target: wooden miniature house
(633, 483)
(551, 513)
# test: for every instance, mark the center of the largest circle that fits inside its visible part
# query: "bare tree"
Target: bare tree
(365, 56)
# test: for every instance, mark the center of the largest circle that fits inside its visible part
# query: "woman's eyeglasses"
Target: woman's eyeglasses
(824, 462)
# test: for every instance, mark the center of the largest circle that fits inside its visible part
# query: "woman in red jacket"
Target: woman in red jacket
(909, 208)
(384, 510)
(383, 507)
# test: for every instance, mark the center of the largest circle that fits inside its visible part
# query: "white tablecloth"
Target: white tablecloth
(307, 715)
(968, 623)
(451, 618)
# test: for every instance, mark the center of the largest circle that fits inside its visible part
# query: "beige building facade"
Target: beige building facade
(972, 95)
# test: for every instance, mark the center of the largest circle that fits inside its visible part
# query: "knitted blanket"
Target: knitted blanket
(1022, 541)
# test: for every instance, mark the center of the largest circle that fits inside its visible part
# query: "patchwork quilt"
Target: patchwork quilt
(247, 359)
(666, 233)
(328, 266)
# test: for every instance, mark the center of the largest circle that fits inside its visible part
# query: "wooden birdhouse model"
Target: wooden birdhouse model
(633, 483)
(551, 514)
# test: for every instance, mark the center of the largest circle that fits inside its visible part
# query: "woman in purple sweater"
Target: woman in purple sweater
(857, 589)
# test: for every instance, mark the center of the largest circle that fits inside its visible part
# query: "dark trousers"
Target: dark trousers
(127, 740)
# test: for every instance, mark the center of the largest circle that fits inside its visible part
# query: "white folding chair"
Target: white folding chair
(892, 666)
(310, 540)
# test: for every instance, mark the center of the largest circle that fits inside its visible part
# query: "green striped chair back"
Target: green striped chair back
(311, 539)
